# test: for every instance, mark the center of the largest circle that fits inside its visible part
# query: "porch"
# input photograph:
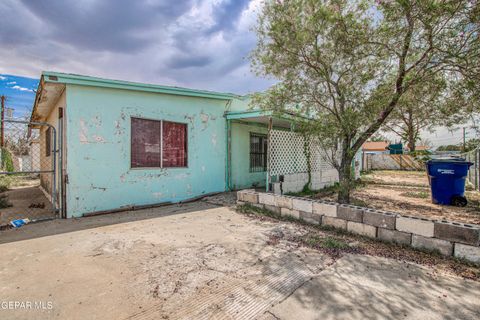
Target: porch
(264, 150)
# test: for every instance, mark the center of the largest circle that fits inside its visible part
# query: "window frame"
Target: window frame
(161, 144)
(264, 152)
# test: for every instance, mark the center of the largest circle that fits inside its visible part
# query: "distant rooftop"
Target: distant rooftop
(375, 146)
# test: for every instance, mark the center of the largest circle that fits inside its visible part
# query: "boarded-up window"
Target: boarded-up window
(174, 144)
(48, 142)
(153, 147)
(145, 149)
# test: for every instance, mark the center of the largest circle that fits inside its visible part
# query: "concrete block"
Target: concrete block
(240, 203)
(443, 246)
(272, 208)
(250, 197)
(471, 253)
(289, 212)
(362, 229)
(266, 198)
(457, 232)
(277, 188)
(334, 222)
(415, 225)
(302, 205)
(240, 193)
(310, 217)
(350, 213)
(283, 202)
(325, 208)
(379, 218)
(394, 236)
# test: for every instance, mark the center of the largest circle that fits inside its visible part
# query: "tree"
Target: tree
(378, 137)
(418, 109)
(471, 144)
(347, 64)
(450, 147)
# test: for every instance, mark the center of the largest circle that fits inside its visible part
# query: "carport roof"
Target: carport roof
(279, 119)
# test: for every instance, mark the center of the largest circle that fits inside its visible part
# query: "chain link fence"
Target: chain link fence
(473, 174)
(27, 171)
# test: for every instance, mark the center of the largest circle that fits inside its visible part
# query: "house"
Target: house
(123, 144)
(375, 147)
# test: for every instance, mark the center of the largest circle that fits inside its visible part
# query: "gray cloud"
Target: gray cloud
(196, 43)
(105, 25)
(226, 14)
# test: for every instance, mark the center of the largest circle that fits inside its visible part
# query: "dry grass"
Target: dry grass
(337, 242)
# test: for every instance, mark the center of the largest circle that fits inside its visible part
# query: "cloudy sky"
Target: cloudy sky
(200, 44)
(194, 43)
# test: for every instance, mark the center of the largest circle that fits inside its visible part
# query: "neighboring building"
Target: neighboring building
(396, 148)
(375, 147)
(34, 153)
(126, 144)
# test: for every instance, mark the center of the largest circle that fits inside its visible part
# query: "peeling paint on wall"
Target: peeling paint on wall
(99, 155)
(98, 139)
(83, 134)
(204, 118)
(214, 139)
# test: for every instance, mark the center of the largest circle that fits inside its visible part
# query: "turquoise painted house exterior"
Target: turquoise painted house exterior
(93, 118)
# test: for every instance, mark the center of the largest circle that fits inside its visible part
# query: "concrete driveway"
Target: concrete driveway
(200, 261)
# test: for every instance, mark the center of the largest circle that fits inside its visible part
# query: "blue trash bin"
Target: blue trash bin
(447, 180)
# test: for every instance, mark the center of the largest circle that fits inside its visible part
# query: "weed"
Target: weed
(249, 209)
(314, 240)
(416, 194)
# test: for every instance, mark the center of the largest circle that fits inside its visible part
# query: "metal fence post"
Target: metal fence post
(477, 156)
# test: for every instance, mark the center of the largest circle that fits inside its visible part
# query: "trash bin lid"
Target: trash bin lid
(450, 160)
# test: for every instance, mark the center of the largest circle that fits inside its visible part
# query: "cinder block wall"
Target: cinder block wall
(449, 238)
(296, 181)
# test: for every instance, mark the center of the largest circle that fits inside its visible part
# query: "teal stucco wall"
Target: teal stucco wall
(240, 150)
(98, 149)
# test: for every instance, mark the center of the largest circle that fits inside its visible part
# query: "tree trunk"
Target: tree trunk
(411, 131)
(411, 141)
(345, 179)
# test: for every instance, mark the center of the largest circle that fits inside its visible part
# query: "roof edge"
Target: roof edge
(67, 78)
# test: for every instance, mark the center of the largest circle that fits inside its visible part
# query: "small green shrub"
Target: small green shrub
(7, 162)
(4, 203)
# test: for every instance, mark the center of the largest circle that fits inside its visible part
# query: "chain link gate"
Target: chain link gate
(28, 171)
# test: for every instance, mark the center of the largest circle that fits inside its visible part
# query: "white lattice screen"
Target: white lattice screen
(287, 154)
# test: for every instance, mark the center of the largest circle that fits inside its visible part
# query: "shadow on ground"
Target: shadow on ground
(59, 226)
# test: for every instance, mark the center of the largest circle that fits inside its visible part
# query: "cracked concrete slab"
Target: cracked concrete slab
(200, 260)
(366, 287)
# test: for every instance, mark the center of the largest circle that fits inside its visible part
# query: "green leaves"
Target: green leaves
(348, 64)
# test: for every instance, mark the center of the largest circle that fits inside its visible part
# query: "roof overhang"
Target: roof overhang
(47, 95)
(281, 120)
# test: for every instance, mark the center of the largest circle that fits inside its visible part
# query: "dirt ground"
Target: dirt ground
(24, 198)
(408, 192)
(204, 261)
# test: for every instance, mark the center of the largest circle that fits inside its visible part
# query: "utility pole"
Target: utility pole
(3, 98)
(464, 144)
